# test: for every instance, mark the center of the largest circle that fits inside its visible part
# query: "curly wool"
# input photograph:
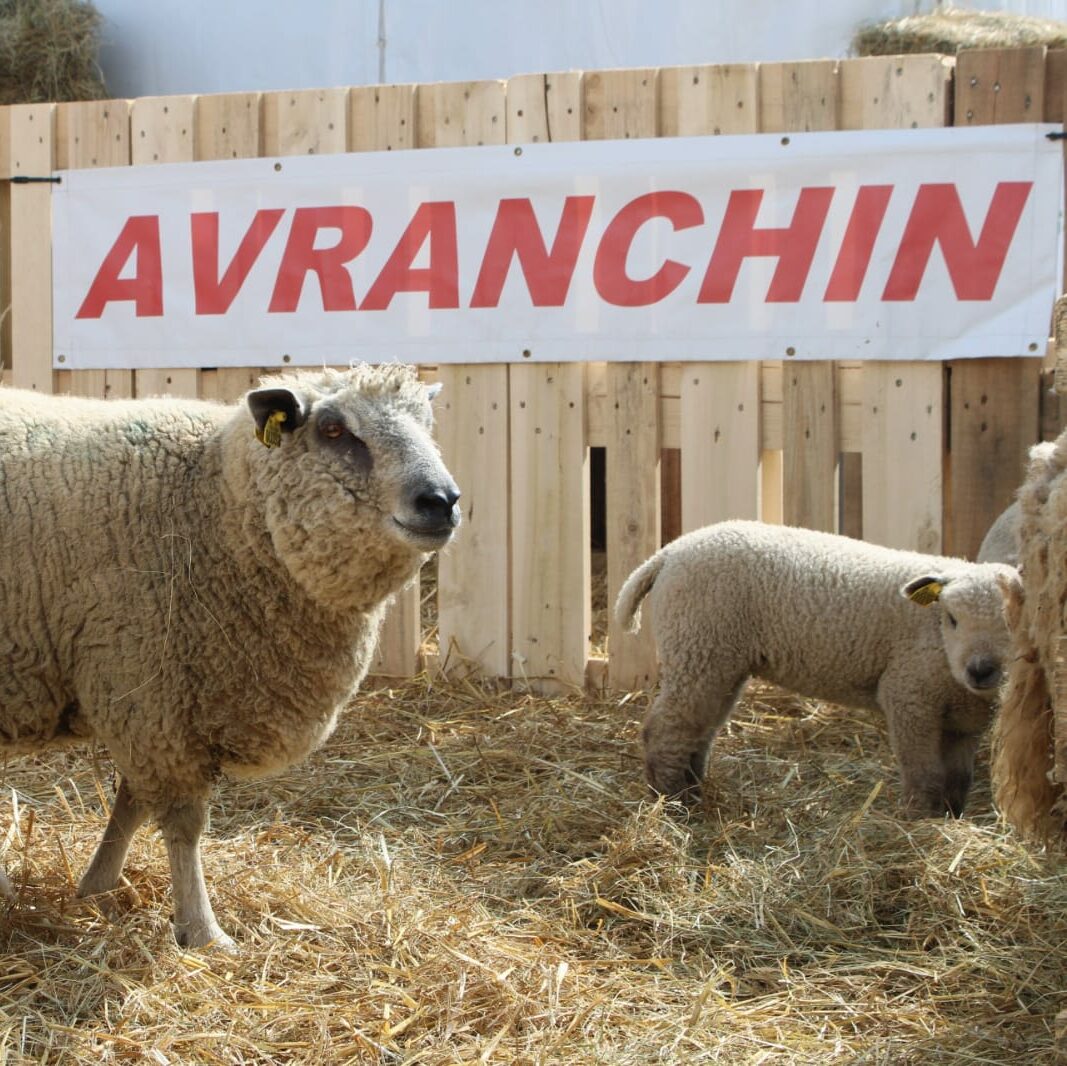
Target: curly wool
(194, 601)
(824, 616)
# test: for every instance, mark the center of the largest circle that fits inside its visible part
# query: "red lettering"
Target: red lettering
(854, 257)
(793, 245)
(937, 216)
(609, 268)
(515, 234)
(139, 236)
(433, 222)
(213, 294)
(301, 257)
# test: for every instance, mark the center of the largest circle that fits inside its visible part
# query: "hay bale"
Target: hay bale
(48, 51)
(1029, 791)
(949, 30)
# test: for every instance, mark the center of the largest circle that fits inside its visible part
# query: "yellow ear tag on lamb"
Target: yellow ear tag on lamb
(926, 594)
(271, 433)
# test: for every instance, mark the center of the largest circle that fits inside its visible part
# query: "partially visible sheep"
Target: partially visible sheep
(200, 587)
(1001, 542)
(832, 618)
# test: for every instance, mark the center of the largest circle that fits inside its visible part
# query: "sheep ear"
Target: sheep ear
(276, 411)
(432, 391)
(923, 590)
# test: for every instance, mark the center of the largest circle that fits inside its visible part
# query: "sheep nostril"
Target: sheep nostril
(436, 505)
(983, 673)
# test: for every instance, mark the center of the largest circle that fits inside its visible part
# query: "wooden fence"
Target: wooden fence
(918, 455)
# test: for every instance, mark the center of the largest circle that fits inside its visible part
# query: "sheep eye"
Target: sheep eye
(951, 619)
(333, 430)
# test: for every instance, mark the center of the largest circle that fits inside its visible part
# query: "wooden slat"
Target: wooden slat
(30, 148)
(551, 614)
(309, 122)
(227, 126)
(473, 577)
(619, 104)
(719, 402)
(994, 402)
(903, 401)
(633, 514)
(382, 118)
(801, 97)
(161, 131)
(93, 134)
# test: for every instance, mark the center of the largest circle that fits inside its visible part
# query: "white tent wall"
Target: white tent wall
(202, 46)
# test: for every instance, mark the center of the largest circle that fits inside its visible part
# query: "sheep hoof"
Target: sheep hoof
(205, 938)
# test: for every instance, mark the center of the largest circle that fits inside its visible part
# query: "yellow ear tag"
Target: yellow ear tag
(271, 433)
(926, 594)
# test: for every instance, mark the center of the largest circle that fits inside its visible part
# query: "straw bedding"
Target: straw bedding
(469, 875)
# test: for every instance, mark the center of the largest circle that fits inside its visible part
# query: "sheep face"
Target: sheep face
(350, 474)
(974, 630)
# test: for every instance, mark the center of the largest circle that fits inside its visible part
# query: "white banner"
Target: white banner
(909, 244)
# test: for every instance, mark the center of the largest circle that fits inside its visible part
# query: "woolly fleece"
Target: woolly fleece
(196, 602)
(825, 616)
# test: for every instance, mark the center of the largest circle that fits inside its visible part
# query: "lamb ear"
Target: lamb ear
(923, 590)
(276, 411)
(433, 390)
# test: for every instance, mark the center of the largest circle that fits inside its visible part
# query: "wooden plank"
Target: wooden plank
(161, 131)
(473, 577)
(227, 126)
(903, 402)
(551, 614)
(30, 144)
(452, 114)
(801, 97)
(93, 134)
(994, 402)
(632, 505)
(382, 118)
(719, 402)
(619, 104)
(309, 122)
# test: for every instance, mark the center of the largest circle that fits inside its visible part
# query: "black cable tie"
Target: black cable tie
(26, 179)
(1060, 135)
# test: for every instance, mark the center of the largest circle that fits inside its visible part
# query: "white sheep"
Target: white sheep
(1001, 542)
(199, 587)
(831, 618)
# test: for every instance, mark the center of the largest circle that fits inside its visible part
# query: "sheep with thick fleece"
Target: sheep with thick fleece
(832, 618)
(199, 587)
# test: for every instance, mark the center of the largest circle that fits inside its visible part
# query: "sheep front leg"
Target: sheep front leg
(194, 920)
(915, 736)
(958, 752)
(7, 889)
(127, 816)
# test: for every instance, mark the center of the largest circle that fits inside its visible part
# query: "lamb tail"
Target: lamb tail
(636, 587)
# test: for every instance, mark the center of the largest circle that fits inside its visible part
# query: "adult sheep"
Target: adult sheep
(199, 587)
(832, 618)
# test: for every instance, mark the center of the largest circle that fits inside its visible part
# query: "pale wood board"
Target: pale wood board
(93, 134)
(798, 97)
(473, 574)
(994, 409)
(382, 118)
(31, 146)
(161, 131)
(227, 126)
(719, 402)
(307, 122)
(620, 104)
(903, 402)
(551, 616)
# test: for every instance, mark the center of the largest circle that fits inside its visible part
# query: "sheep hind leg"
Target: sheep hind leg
(194, 920)
(681, 728)
(127, 816)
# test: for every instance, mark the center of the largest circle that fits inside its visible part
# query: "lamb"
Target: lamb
(199, 587)
(831, 618)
